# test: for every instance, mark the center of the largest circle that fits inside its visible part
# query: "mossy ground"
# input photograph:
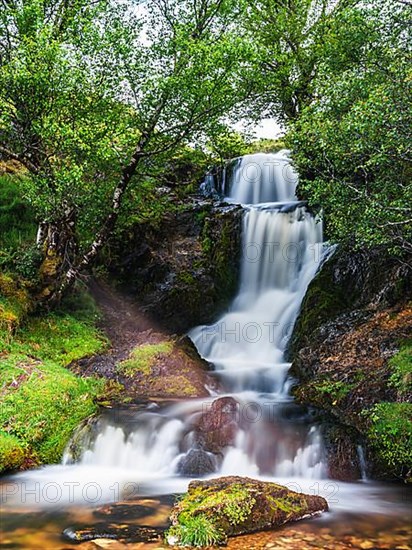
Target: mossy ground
(143, 358)
(42, 401)
(160, 368)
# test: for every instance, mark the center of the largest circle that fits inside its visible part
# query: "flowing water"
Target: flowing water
(136, 453)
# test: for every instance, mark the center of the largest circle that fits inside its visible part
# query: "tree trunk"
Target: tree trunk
(58, 243)
(58, 271)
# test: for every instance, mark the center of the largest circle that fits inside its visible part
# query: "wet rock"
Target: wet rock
(354, 317)
(214, 510)
(218, 425)
(123, 511)
(183, 271)
(128, 533)
(197, 462)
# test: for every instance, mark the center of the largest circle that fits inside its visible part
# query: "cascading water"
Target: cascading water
(282, 247)
(131, 452)
(281, 251)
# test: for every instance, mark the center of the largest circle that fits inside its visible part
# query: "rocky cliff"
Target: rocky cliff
(183, 271)
(352, 354)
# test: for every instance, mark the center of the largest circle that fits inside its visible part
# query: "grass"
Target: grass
(143, 358)
(42, 401)
(196, 531)
(390, 433)
(401, 365)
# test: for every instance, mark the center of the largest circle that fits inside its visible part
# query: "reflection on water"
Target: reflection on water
(363, 516)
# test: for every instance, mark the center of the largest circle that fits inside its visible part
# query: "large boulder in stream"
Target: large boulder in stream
(214, 510)
(218, 425)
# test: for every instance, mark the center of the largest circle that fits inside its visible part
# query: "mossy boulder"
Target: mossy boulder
(163, 367)
(12, 452)
(213, 510)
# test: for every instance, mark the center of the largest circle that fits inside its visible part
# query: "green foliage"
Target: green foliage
(143, 357)
(335, 390)
(390, 433)
(196, 531)
(17, 224)
(264, 145)
(289, 40)
(227, 144)
(352, 142)
(42, 402)
(401, 364)
(92, 94)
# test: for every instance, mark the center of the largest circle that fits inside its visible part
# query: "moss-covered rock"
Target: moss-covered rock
(214, 510)
(163, 368)
(12, 452)
(351, 354)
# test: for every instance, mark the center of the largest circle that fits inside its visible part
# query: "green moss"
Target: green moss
(390, 434)
(186, 277)
(401, 365)
(236, 506)
(14, 302)
(323, 302)
(12, 453)
(234, 502)
(179, 385)
(42, 402)
(144, 357)
(196, 525)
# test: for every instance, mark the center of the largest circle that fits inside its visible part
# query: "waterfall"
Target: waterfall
(262, 178)
(281, 250)
(274, 437)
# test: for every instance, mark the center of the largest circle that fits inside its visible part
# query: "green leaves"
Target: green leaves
(352, 144)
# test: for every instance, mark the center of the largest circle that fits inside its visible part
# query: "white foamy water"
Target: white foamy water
(139, 454)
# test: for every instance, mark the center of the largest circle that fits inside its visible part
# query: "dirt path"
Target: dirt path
(178, 373)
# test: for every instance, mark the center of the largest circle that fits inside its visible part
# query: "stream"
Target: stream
(146, 453)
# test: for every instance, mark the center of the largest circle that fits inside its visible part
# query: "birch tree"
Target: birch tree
(92, 92)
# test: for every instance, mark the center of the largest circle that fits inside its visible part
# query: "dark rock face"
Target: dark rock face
(197, 463)
(184, 271)
(233, 505)
(218, 425)
(352, 321)
(126, 533)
